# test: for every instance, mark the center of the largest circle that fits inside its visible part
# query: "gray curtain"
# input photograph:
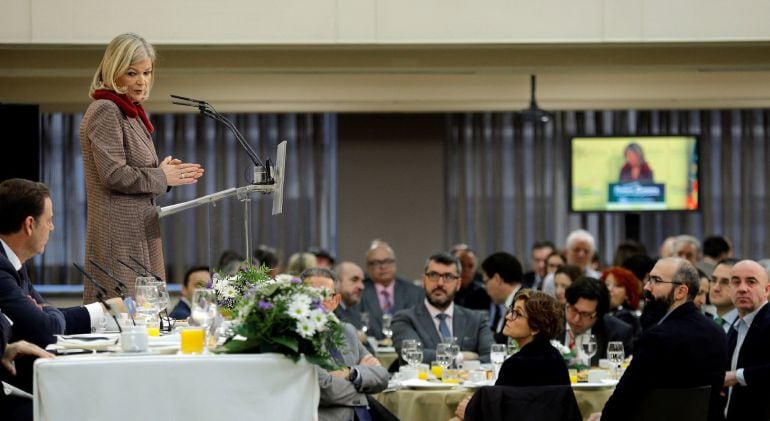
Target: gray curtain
(309, 213)
(506, 179)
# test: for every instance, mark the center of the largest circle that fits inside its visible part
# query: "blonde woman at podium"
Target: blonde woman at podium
(122, 170)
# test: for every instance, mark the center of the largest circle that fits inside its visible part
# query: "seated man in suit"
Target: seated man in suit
(343, 392)
(438, 317)
(26, 220)
(384, 293)
(15, 408)
(588, 301)
(501, 272)
(748, 378)
(684, 350)
(472, 293)
(350, 286)
(195, 277)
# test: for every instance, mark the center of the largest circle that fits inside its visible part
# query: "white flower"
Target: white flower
(229, 291)
(301, 299)
(560, 347)
(306, 328)
(284, 278)
(299, 310)
(319, 317)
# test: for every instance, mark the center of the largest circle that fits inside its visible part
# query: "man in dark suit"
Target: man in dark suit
(384, 293)
(343, 392)
(684, 350)
(501, 272)
(350, 286)
(14, 408)
(587, 303)
(540, 251)
(472, 293)
(26, 221)
(438, 317)
(195, 277)
(748, 379)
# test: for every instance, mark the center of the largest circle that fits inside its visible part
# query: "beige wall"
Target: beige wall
(391, 186)
(384, 22)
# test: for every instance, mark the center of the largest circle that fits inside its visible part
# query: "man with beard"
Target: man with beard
(684, 350)
(438, 317)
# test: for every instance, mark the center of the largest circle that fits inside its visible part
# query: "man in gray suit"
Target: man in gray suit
(343, 392)
(384, 293)
(437, 316)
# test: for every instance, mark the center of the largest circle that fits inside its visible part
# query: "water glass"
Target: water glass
(413, 357)
(147, 299)
(616, 355)
(589, 346)
(497, 356)
(386, 330)
(409, 344)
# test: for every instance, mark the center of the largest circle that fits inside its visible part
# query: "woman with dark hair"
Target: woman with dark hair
(625, 293)
(533, 320)
(564, 276)
(635, 168)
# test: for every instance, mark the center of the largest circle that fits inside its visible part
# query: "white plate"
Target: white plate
(423, 384)
(476, 385)
(604, 383)
(89, 341)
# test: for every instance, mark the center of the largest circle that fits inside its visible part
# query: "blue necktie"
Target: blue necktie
(443, 328)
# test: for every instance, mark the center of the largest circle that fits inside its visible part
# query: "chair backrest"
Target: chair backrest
(675, 405)
(541, 403)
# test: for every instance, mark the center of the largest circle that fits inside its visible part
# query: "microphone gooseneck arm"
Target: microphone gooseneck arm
(207, 110)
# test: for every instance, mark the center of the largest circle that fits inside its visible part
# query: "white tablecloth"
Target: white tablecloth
(175, 387)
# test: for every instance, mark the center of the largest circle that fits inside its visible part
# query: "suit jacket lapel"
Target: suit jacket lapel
(751, 336)
(458, 326)
(427, 326)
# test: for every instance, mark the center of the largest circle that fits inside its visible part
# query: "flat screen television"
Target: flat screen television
(634, 174)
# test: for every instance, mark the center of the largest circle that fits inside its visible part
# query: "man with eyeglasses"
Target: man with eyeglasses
(502, 276)
(748, 378)
(684, 350)
(437, 317)
(588, 301)
(720, 294)
(385, 293)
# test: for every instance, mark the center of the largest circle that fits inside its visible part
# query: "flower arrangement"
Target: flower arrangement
(286, 316)
(570, 357)
(230, 289)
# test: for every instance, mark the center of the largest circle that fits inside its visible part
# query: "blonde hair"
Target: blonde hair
(123, 51)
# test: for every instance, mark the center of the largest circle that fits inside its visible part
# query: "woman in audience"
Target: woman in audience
(553, 262)
(563, 278)
(625, 292)
(533, 320)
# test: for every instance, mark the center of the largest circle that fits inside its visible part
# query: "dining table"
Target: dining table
(440, 405)
(149, 386)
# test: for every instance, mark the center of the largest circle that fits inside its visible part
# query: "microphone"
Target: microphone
(100, 297)
(120, 288)
(132, 268)
(147, 270)
(261, 175)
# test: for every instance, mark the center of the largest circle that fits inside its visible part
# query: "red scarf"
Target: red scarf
(129, 109)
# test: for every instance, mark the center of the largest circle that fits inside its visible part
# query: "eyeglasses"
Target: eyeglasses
(657, 281)
(514, 314)
(381, 263)
(447, 277)
(582, 314)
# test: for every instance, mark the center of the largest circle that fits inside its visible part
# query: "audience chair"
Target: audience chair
(541, 403)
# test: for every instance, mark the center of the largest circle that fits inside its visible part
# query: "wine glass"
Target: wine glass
(386, 330)
(615, 355)
(163, 298)
(589, 347)
(147, 299)
(408, 345)
(413, 357)
(364, 322)
(443, 356)
(454, 351)
(204, 308)
(497, 356)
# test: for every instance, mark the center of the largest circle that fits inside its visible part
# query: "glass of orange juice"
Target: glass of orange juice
(193, 339)
(422, 371)
(437, 370)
